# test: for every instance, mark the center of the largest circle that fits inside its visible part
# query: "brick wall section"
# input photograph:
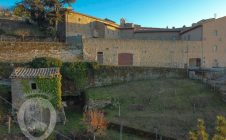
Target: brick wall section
(26, 51)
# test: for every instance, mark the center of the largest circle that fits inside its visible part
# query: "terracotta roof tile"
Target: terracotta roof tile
(32, 73)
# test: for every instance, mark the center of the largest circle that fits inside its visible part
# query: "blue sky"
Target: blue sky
(150, 13)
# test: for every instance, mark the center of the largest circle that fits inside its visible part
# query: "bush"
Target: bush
(45, 62)
(4, 107)
(5, 70)
(2, 32)
(78, 72)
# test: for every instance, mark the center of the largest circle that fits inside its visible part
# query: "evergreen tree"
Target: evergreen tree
(44, 12)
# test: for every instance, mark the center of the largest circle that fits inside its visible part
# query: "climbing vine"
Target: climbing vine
(50, 86)
(26, 87)
(77, 72)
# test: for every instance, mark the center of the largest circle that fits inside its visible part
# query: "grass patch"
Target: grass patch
(4, 107)
(73, 123)
(166, 104)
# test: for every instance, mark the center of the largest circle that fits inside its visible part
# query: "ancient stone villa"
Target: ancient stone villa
(201, 45)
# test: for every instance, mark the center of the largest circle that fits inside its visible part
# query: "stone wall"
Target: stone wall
(89, 27)
(11, 25)
(108, 75)
(17, 93)
(157, 35)
(26, 51)
(149, 53)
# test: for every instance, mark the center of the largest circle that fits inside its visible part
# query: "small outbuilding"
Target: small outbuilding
(27, 82)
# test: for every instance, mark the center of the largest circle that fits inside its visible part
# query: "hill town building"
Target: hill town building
(201, 45)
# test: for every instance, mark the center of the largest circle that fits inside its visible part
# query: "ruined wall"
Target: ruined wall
(148, 53)
(26, 51)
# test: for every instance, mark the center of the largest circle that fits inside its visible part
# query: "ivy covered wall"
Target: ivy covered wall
(50, 86)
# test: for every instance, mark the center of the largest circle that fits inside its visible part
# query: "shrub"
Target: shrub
(77, 72)
(95, 122)
(2, 32)
(45, 62)
(5, 70)
(4, 107)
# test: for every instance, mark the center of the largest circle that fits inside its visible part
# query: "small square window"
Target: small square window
(215, 48)
(216, 33)
(33, 86)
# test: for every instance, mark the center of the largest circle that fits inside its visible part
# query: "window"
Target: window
(100, 57)
(216, 33)
(33, 86)
(215, 48)
(79, 19)
(189, 37)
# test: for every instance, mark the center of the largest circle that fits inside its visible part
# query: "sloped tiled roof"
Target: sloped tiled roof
(33, 73)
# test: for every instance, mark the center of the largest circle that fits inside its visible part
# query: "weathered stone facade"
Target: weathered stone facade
(148, 53)
(201, 45)
(26, 51)
(77, 24)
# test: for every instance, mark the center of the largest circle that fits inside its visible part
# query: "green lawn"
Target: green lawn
(74, 125)
(166, 104)
(4, 111)
(4, 107)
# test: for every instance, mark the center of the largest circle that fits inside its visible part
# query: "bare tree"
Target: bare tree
(95, 122)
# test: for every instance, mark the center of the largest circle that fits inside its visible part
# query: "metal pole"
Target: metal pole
(121, 129)
(119, 110)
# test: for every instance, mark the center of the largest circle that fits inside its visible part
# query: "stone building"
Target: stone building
(203, 43)
(77, 24)
(23, 84)
(29, 74)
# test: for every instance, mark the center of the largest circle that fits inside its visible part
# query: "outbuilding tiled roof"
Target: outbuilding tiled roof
(33, 73)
